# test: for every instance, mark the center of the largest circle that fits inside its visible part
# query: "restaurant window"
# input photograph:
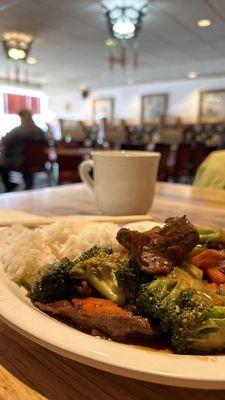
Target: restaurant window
(13, 103)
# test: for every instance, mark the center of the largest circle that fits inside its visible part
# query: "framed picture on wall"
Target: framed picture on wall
(212, 106)
(154, 107)
(103, 108)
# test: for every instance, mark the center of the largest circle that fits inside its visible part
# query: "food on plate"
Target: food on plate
(26, 251)
(212, 262)
(208, 258)
(96, 266)
(51, 283)
(102, 315)
(123, 283)
(157, 253)
(130, 277)
(191, 314)
(99, 271)
(207, 234)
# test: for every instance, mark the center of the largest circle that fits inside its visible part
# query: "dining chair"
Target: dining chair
(68, 168)
(36, 158)
(199, 153)
(133, 146)
(182, 167)
(211, 149)
(164, 150)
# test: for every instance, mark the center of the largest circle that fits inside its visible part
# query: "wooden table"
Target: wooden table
(30, 372)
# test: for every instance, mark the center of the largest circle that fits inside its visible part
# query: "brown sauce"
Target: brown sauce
(156, 343)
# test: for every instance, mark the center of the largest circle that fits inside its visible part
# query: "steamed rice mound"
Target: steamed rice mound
(25, 251)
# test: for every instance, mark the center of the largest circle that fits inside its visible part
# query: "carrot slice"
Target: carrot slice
(207, 259)
(212, 286)
(216, 275)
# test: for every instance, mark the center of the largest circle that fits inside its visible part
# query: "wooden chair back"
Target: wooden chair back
(183, 160)
(68, 168)
(199, 153)
(164, 150)
(132, 146)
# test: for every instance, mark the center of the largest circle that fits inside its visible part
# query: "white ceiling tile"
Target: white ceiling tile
(70, 37)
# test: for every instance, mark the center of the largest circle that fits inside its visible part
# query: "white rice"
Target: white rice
(25, 251)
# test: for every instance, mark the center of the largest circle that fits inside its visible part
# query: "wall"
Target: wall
(183, 99)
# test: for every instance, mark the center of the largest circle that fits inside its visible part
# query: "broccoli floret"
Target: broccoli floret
(130, 277)
(92, 252)
(200, 326)
(100, 272)
(189, 312)
(52, 283)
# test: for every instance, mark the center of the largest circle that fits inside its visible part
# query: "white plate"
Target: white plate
(206, 372)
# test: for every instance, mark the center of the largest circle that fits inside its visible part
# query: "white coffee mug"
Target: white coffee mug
(124, 181)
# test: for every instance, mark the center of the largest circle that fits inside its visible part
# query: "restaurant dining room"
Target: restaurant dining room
(112, 199)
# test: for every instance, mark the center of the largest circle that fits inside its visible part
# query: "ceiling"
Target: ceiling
(70, 37)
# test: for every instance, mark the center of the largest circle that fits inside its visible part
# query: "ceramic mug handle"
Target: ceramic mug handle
(84, 169)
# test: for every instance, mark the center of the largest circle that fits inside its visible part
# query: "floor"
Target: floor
(41, 180)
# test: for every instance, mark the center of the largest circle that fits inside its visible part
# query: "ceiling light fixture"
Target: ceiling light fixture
(17, 45)
(192, 75)
(124, 20)
(204, 23)
(124, 17)
(31, 60)
(123, 28)
(16, 54)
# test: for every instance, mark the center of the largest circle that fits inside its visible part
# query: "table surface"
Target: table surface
(28, 371)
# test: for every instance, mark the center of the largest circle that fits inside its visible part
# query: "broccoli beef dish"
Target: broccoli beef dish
(168, 283)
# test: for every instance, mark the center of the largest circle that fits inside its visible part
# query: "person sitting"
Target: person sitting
(211, 172)
(14, 147)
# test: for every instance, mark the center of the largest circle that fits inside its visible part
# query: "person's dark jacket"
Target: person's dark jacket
(13, 154)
